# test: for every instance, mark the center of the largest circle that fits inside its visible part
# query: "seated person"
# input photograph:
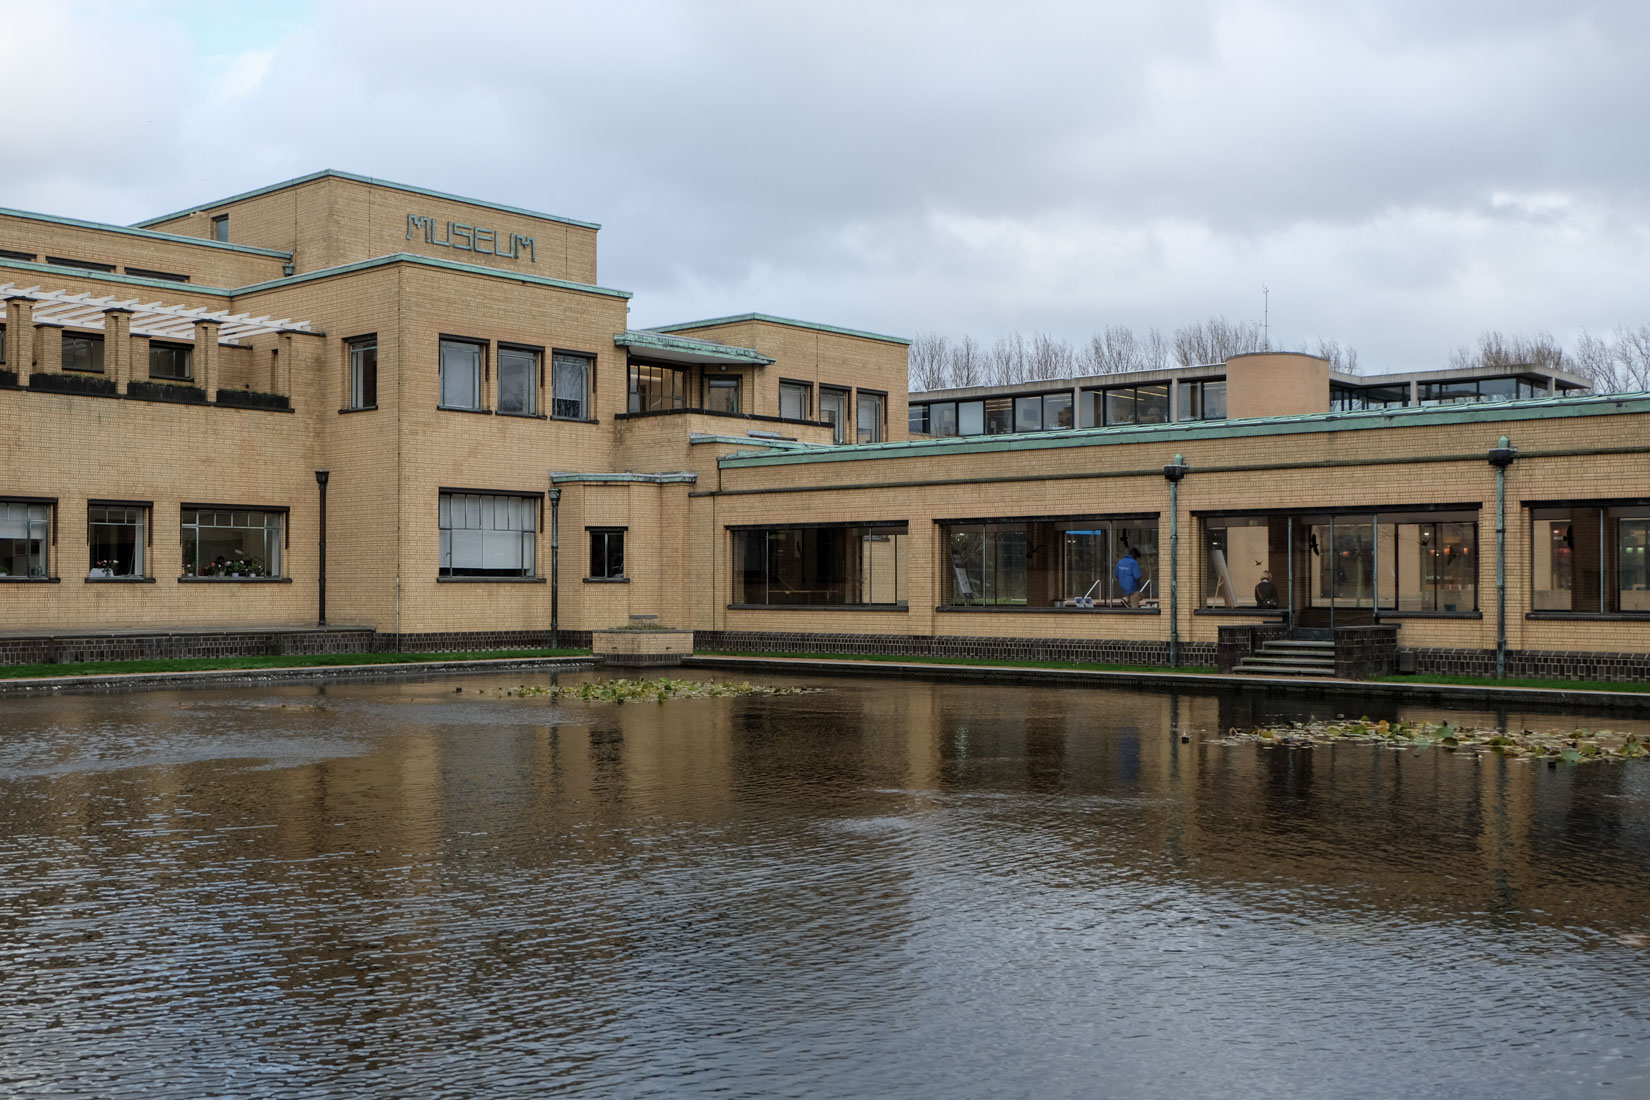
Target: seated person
(1265, 594)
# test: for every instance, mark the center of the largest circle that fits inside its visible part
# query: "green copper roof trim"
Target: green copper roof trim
(335, 174)
(683, 477)
(696, 438)
(148, 234)
(772, 320)
(642, 338)
(1308, 424)
(429, 261)
(127, 280)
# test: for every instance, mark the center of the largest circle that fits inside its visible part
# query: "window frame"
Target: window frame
(806, 389)
(641, 399)
(535, 378)
(96, 345)
(220, 228)
(587, 400)
(480, 369)
(869, 531)
(723, 382)
(880, 427)
(1607, 562)
(1090, 601)
(143, 556)
(48, 540)
(358, 373)
(606, 534)
(445, 573)
(276, 575)
(840, 426)
(175, 349)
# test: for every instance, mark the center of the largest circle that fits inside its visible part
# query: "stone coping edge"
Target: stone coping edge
(215, 677)
(987, 673)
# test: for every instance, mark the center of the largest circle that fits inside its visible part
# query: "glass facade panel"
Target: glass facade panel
(172, 361)
(1086, 563)
(656, 389)
(869, 417)
(1091, 408)
(1028, 414)
(82, 352)
(1120, 405)
(518, 381)
(820, 566)
(116, 535)
(971, 418)
(1056, 411)
(225, 543)
(1245, 562)
(25, 537)
(487, 535)
(460, 374)
(999, 415)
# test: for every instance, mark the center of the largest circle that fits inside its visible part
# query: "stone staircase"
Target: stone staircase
(1290, 657)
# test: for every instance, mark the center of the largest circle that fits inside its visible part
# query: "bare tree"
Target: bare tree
(966, 364)
(1619, 364)
(1112, 350)
(930, 361)
(1501, 351)
(1217, 340)
(1154, 351)
(1051, 357)
(1342, 357)
(1010, 360)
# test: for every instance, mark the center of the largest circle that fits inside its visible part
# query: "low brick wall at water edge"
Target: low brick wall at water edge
(1086, 651)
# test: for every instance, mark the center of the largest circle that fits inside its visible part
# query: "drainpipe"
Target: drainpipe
(1174, 471)
(555, 567)
(1501, 456)
(321, 483)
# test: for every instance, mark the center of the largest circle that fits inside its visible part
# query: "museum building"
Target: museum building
(341, 413)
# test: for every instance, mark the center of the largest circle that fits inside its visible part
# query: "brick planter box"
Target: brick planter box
(651, 648)
(166, 391)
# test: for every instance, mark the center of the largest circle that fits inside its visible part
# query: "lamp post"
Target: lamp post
(1174, 471)
(321, 484)
(1501, 456)
(555, 567)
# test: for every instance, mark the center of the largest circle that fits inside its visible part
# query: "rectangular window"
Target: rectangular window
(518, 381)
(1079, 562)
(795, 400)
(13, 254)
(82, 351)
(86, 265)
(606, 553)
(488, 535)
(1590, 559)
(1028, 414)
(942, 418)
(220, 227)
(1056, 410)
(721, 393)
(868, 417)
(971, 418)
(850, 566)
(172, 361)
(999, 415)
(916, 419)
(25, 537)
(570, 386)
(833, 410)
(165, 276)
(656, 389)
(461, 374)
(117, 536)
(232, 542)
(1207, 400)
(363, 373)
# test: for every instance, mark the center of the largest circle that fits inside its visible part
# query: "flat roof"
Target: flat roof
(772, 320)
(148, 234)
(431, 261)
(392, 185)
(1305, 424)
(685, 349)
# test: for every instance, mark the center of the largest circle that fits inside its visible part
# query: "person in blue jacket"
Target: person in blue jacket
(1128, 577)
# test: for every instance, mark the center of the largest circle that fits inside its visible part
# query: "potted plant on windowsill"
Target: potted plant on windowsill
(104, 569)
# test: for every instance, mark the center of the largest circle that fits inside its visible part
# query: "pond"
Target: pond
(889, 888)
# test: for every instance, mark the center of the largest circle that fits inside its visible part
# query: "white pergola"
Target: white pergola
(62, 307)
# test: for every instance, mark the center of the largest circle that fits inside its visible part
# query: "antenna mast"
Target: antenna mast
(1265, 317)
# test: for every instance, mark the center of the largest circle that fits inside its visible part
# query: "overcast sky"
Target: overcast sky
(1402, 175)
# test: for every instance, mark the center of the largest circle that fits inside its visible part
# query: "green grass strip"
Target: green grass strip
(983, 662)
(314, 660)
(1513, 682)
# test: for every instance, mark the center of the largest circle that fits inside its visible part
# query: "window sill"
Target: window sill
(522, 416)
(576, 419)
(1384, 615)
(490, 580)
(1597, 616)
(31, 580)
(607, 580)
(359, 409)
(819, 607)
(234, 580)
(119, 580)
(458, 409)
(1016, 610)
(1246, 612)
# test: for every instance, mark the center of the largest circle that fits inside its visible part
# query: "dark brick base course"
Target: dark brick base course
(1084, 650)
(1538, 664)
(474, 640)
(66, 649)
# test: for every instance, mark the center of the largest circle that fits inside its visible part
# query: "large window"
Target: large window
(570, 387)
(722, 393)
(232, 542)
(117, 535)
(25, 538)
(220, 227)
(488, 535)
(1205, 400)
(518, 381)
(833, 410)
(461, 374)
(1463, 392)
(820, 566)
(82, 351)
(1073, 561)
(1591, 559)
(1123, 405)
(606, 553)
(795, 400)
(1354, 398)
(869, 417)
(175, 362)
(656, 389)
(363, 373)
(1396, 562)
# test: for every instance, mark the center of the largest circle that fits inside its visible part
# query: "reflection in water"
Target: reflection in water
(884, 888)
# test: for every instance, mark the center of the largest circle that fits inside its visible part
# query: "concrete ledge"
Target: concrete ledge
(219, 677)
(1202, 683)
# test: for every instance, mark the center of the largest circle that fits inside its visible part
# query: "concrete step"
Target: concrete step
(1298, 644)
(1248, 668)
(1293, 662)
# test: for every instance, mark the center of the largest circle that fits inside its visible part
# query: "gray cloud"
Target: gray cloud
(1402, 175)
